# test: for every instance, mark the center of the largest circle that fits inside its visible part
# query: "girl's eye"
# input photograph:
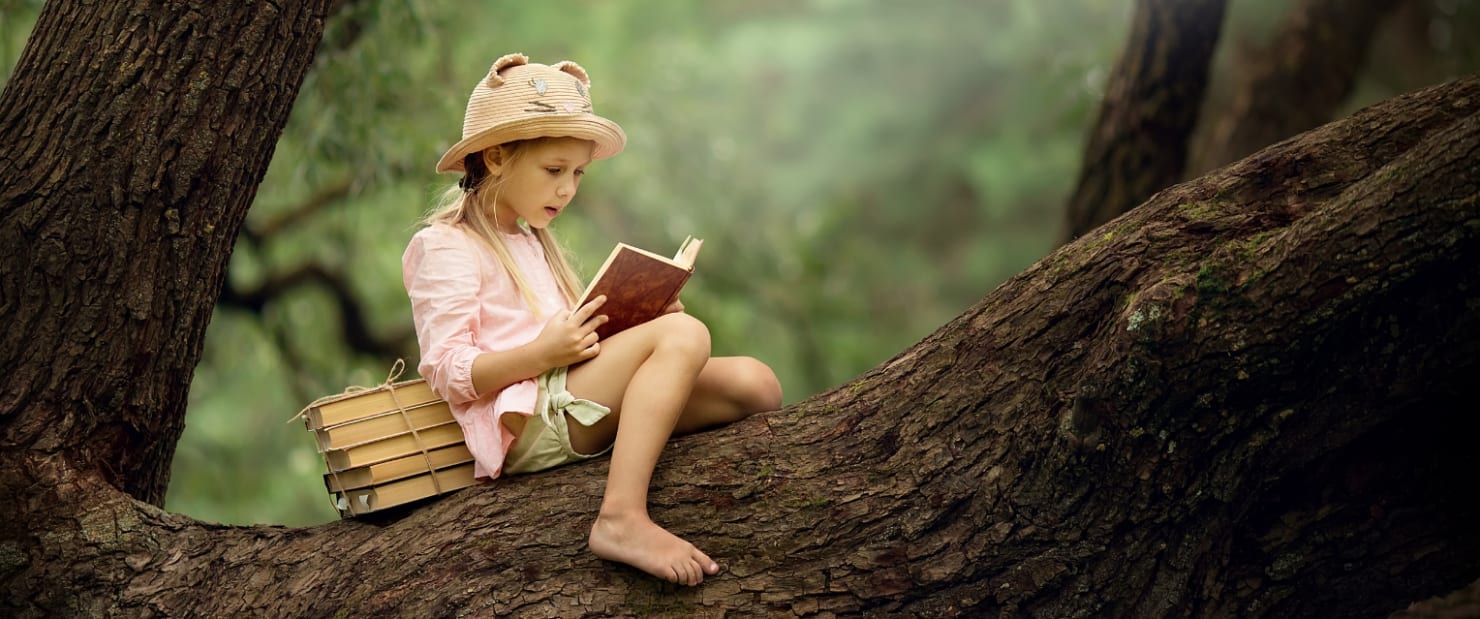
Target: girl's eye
(580, 172)
(553, 170)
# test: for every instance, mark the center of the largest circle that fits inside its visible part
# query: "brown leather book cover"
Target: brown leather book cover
(638, 285)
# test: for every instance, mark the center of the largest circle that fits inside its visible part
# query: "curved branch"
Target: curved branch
(324, 197)
(354, 326)
(1200, 412)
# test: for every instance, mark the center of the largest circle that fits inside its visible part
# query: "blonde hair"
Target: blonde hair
(470, 204)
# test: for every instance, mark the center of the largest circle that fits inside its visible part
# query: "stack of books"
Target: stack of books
(383, 450)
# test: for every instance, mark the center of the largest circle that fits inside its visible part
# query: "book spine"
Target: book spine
(677, 291)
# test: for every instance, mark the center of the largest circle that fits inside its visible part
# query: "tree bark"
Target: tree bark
(1247, 397)
(140, 133)
(1138, 144)
(1299, 81)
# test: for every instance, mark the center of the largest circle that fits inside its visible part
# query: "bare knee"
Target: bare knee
(756, 387)
(682, 334)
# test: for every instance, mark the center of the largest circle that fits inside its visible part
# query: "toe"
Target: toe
(695, 576)
(698, 574)
(705, 563)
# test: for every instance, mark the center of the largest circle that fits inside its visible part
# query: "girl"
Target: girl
(523, 371)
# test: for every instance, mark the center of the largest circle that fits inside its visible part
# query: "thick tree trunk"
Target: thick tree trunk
(1298, 82)
(1138, 144)
(1247, 397)
(136, 136)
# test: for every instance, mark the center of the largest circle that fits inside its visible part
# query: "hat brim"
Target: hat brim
(608, 137)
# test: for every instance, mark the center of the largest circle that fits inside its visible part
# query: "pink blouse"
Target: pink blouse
(464, 304)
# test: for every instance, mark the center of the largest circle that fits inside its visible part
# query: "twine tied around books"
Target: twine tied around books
(397, 369)
(389, 385)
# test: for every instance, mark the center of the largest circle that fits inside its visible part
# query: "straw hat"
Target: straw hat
(519, 100)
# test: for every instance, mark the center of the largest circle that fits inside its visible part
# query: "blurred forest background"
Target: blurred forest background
(861, 172)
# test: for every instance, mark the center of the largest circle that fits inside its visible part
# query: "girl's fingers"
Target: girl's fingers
(588, 328)
(584, 312)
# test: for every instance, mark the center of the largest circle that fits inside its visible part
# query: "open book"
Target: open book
(639, 284)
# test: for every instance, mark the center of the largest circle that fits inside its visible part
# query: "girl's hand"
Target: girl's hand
(674, 307)
(569, 339)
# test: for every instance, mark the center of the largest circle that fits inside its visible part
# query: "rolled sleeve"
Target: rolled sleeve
(441, 274)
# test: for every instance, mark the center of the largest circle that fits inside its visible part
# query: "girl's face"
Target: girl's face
(541, 182)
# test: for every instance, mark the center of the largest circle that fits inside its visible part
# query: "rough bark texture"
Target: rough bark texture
(1138, 145)
(1299, 81)
(1462, 604)
(137, 133)
(1248, 397)
(1245, 398)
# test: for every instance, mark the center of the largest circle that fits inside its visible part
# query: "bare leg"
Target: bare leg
(645, 375)
(729, 389)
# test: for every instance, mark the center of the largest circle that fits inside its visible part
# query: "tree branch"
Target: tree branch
(354, 327)
(324, 197)
(1138, 144)
(1299, 81)
(1150, 421)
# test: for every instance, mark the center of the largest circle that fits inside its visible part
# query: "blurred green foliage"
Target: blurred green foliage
(861, 172)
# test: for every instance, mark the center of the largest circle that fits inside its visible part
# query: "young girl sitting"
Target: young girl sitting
(522, 369)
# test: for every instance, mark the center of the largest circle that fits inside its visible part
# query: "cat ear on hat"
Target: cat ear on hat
(573, 69)
(506, 61)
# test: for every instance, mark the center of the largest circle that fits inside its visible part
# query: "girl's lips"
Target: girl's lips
(552, 211)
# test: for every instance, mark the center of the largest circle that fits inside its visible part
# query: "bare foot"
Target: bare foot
(641, 543)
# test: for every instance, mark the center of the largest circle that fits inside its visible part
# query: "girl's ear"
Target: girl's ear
(494, 158)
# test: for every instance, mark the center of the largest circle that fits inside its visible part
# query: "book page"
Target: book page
(638, 286)
(688, 252)
(684, 259)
